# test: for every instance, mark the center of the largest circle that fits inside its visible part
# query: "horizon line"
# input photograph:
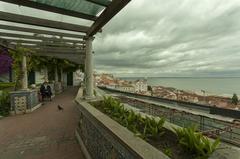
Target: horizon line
(179, 76)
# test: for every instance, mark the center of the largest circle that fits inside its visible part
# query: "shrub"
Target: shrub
(4, 103)
(168, 152)
(195, 142)
(4, 85)
(143, 127)
(235, 99)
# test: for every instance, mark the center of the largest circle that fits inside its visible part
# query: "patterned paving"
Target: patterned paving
(46, 133)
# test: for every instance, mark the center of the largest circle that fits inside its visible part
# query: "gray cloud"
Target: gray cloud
(165, 38)
(172, 38)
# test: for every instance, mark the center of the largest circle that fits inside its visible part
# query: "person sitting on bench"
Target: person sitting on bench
(49, 92)
(45, 91)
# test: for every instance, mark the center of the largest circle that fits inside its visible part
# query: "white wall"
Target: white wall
(39, 77)
(77, 77)
(65, 79)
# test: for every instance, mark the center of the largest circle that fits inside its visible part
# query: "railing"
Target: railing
(212, 127)
(183, 104)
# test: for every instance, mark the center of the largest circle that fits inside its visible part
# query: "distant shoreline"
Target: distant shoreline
(223, 87)
(170, 77)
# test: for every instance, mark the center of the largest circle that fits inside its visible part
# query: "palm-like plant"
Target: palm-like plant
(143, 127)
(195, 142)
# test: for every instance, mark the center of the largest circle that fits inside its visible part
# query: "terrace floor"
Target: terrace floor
(46, 133)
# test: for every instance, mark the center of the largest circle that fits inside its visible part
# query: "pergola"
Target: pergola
(72, 41)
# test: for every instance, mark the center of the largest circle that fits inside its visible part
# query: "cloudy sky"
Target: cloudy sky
(166, 38)
(172, 38)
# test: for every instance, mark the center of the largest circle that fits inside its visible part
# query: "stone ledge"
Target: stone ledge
(135, 145)
(83, 148)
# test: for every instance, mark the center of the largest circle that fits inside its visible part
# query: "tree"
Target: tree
(150, 90)
(235, 99)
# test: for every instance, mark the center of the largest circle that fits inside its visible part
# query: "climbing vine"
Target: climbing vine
(35, 62)
(17, 55)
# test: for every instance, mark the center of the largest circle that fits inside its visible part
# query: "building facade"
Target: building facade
(141, 86)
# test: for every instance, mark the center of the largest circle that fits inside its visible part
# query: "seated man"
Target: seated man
(49, 92)
(45, 91)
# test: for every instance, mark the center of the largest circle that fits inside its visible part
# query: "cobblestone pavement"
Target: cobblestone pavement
(46, 133)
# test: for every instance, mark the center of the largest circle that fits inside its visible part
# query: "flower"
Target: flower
(5, 61)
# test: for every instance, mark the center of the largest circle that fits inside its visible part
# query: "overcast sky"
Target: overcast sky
(166, 38)
(172, 38)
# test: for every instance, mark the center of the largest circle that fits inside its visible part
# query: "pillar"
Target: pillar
(25, 76)
(61, 72)
(56, 74)
(45, 74)
(89, 69)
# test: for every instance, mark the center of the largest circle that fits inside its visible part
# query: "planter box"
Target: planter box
(24, 101)
(101, 137)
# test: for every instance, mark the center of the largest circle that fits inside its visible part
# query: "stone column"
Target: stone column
(56, 74)
(25, 75)
(61, 72)
(89, 69)
(45, 74)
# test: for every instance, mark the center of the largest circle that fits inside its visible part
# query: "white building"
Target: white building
(126, 88)
(111, 86)
(140, 86)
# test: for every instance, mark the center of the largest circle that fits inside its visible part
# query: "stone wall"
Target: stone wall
(23, 101)
(103, 138)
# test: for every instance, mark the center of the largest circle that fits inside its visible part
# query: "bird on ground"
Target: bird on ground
(59, 107)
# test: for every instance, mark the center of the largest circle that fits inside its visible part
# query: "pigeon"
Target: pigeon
(59, 107)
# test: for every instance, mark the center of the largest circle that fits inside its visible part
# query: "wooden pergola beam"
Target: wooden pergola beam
(39, 31)
(53, 9)
(41, 22)
(112, 9)
(99, 3)
(14, 35)
(74, 57)
(56, 50)
(79, 59)
(3, 44)
(54, 47)
(42, 43)
(63, 47)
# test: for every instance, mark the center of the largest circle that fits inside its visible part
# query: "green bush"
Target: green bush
(143, 127)
(4, 103)
(195, 142)
(235, 99)
(168, 152)
(4, 85)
